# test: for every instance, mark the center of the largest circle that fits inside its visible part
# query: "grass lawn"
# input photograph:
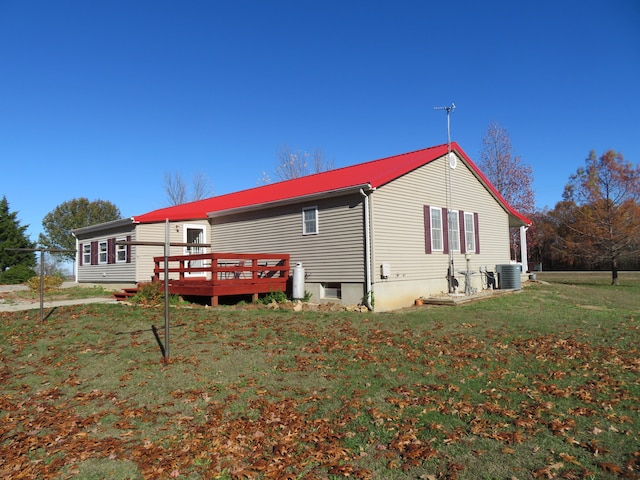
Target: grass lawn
(540, 384)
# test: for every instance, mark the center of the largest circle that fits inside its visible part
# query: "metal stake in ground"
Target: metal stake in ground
(41, 250)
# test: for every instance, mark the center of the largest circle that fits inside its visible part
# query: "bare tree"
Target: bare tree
(176, 188)
(292, 164)
(508, 173)
(201, 188)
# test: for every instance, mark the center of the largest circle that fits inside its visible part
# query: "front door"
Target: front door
(194, 234)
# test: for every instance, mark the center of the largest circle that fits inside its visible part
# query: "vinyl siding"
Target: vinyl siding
(399, 229)
(107, 272)
(335, 254)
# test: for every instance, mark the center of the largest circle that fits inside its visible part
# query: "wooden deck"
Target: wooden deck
(216, 275)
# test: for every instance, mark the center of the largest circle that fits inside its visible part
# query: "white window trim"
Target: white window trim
(304, 223)
(121, 248)
(454, 234)
(436, 229)
(86, 254)
(102, 252)
(469, 233)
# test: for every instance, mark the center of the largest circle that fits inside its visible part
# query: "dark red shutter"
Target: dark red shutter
(427, 229)
(111, 250)
(81, 250)
(94, 253)
(463, 240)
(475, 225)
(445, 230)
(128, 249)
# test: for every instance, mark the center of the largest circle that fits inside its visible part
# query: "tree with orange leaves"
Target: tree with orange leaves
(600, 212)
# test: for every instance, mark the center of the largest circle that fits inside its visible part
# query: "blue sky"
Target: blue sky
(100, 99)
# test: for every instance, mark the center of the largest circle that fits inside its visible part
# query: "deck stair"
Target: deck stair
(125, 294)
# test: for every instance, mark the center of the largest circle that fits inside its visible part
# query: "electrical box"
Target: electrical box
(385, 270)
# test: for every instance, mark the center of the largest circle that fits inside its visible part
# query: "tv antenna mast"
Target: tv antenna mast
(451, 159)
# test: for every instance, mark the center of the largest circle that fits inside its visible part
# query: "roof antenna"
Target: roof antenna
(453, 283)
(449, 110)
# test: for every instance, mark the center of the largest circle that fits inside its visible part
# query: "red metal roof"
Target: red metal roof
(375, 173)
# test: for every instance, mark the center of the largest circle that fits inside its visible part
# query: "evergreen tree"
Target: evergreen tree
(13, 235)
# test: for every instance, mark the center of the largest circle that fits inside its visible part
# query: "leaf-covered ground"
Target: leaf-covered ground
(543, 384)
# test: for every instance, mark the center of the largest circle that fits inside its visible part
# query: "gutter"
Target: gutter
(102, 226)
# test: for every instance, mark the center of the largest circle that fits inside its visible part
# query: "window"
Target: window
(121, 251)
(460, 233)
(310, 221)
(454, 231)
(102, 251)
(331, 290)
(469, 232)
(86, 254)
(436, 229)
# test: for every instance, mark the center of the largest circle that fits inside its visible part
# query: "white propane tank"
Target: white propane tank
(298, 282)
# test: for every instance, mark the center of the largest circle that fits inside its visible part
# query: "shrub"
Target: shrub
(16, 274)
(50, 282)
(278, 297)
(152, 294)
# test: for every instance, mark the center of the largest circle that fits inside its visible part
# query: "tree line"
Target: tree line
(595, 226)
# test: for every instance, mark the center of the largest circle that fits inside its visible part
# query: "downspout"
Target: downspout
(75, 261)
(367, 251)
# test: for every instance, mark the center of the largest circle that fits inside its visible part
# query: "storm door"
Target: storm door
(195, 234)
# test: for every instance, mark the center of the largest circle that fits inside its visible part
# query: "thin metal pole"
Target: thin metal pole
(41, 250)
(41, 286)
(167, 246)
(449, 192)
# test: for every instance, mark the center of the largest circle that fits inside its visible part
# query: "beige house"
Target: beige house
(382, 233)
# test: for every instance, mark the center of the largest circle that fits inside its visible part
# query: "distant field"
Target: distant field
(543, 384)
(599, 278)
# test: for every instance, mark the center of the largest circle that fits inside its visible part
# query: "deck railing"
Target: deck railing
(218, 274)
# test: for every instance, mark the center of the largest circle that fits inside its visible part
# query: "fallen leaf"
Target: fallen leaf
(610, 467)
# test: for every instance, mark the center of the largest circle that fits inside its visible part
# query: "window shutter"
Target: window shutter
(427, 229)
(475, 224)
(463, 239)
(128, 249)
(80, 254)
(445, 230)
(111, 250)
(94, 253)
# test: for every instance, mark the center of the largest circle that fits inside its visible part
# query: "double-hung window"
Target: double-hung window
(103, 251)
(310, 221)
(437, 244)
(454, 231)
(86, 254)
(469, 232)
(450, 230)
(121, 251)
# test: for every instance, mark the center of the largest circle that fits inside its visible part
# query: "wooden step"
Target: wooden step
(125, 294)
